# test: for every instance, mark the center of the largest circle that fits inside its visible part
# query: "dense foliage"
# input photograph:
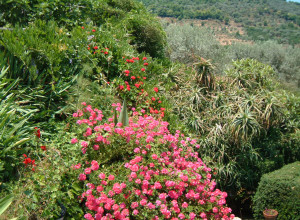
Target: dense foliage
(42, 61)
(188, 43)
(279, 190)
(263, 19)
(132, 17)
(247, 125)
(189, 130)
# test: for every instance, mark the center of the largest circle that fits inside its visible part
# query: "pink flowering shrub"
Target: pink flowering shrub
(160, 177)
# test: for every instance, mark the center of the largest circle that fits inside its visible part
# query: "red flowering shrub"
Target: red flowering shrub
(132, 85)
(28, 161)
(161, 176)
(37, 132)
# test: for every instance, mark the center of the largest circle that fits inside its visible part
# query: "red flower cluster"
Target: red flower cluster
(133, 72)
(37, 132)
(29, 161)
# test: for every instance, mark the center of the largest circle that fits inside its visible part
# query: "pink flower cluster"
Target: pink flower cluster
(163, 178)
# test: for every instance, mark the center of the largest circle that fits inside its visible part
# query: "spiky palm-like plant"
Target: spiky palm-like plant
(244, 125)
(204, 76)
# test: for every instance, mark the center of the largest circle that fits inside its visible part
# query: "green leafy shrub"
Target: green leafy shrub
(147, 33)
(279, 190)
(64, 12)
(14, 127)
(246, 124)
(251, 74)
(42, 53)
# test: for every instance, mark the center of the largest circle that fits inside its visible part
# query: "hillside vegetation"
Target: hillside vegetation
(106, 115)
(189, 42)
(262, 19)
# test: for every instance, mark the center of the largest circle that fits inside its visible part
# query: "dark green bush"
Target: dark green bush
(148, 35)
(280, 190)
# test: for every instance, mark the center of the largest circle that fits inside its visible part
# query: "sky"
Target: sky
(293, 1)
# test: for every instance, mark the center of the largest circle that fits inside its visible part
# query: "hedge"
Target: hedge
(279, 190)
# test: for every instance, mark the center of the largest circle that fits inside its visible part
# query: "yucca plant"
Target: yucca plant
(245, 125)
(240, 124)
(204, 74)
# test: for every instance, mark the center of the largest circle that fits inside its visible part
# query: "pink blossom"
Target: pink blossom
(203, 215)
(181, 216)
(215, 209)
(102, 176)
(135, 168)
(88, 216)
(133, 175)
(77, 166)
(143, 202)
(134, 205)
(88, 171)
(184, 205)
(138, 181)
(136, 150)
(99, 188)
(117, 188)
(157, 185)
(96, 147)
(95, 165)
(74, 141)
(125, 212)
(162, 196)
(84, 144)
(192, 215)
(111, 177)
(154, 157)
(82, 177)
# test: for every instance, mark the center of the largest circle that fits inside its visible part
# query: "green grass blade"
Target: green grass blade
(5, 202)
(124, 115)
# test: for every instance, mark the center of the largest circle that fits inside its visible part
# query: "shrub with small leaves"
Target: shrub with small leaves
(160, 176)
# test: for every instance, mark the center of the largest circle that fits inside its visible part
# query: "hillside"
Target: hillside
(108, 113)
(261, 19)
